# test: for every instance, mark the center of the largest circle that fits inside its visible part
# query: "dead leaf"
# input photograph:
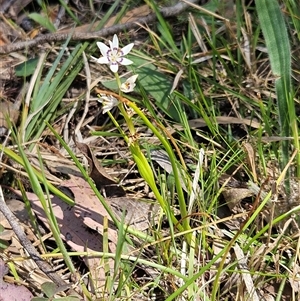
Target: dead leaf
(7, 110)
(101, 178)
(88, 212)
(242, 260)
(6, 235)
(19, 210)
(11, 110)
(233, 196)
(226, 8)
(294, 278)
(139, 213)
(234, 190)
(162, 159)
(8, 291)
(73, 230)
(200, 122)
(250, 152)
(130, 16)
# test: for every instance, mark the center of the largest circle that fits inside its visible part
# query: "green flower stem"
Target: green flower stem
(147, 174)
(127, 119)
(118, 80)
(168, 149)
(122, 109)
(115, 122)
(141, 161)
(143, 166)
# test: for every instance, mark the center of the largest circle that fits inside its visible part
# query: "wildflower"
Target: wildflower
(108, 102)
(129, 85)
(113, 55)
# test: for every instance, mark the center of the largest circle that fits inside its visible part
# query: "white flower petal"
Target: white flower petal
(103, 60)
(129, 84)
(103, 48)
(106, 108)
(108, 102)
(124, 61)
(103, 98)
(114, 67)
(126, 49)
(125, 87)
(115, 41)
(132, 78)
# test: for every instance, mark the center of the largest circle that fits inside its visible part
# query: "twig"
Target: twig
(60, 15)
(55, 37)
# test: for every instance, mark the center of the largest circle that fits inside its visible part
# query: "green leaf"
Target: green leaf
(155, 83)
(43, 21)
(49, 288)
(49, 94)
(111, 84)
(277, 41)
(143, 165)
(26, 68)
(4, 244)
(276, 36)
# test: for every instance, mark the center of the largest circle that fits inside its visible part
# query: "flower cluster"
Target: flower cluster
(114, 56)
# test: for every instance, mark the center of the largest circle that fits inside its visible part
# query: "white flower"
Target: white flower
(113, 55)
(108, 102)
(129, 85)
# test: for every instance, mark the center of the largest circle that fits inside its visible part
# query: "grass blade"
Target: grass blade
(277, 42)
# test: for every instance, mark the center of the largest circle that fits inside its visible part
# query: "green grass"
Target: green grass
(191, 72)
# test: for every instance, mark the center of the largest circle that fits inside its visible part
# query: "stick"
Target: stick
(55, 37)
